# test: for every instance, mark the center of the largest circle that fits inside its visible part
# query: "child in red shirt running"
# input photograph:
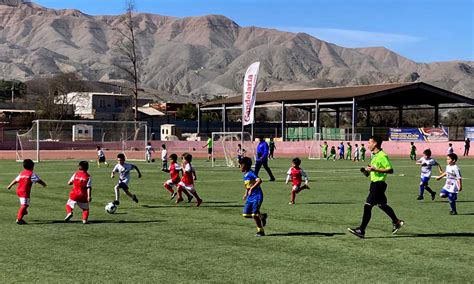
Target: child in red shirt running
(187, 181)
(80, 192)
(296, 174)
(174, 171)
(25, 181)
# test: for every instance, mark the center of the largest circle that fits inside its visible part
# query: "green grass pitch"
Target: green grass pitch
(158, 241)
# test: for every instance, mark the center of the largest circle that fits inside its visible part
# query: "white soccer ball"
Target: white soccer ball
(110, 208)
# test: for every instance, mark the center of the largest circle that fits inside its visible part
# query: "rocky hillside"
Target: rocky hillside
(200, 57)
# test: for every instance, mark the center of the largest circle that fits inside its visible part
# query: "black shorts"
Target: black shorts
(209, 151)
(102, 159)
(377, 193)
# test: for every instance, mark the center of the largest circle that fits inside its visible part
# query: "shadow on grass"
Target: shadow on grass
(457, 201)
(438, 235)
(92, 222)
(330, 202)
(472, 213)
(291, 234)
(192, 204)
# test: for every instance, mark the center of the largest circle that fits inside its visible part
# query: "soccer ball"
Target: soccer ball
(110, 208)
(152, 160)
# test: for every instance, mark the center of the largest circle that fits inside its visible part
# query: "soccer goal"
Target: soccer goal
(316, 151)
(225, 145)
(124, 136)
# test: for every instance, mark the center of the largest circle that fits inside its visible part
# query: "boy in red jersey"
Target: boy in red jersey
(296, 174)
(187, 181)
(25, 181)
(80, 192)
(174, 171)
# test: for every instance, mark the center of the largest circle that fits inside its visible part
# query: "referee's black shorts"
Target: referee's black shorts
(377, 193)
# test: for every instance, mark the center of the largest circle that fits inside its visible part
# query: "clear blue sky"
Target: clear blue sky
(421, 30)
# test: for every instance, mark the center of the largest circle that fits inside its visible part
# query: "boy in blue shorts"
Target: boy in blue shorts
(427, 163)
(253, 196)
(453, 183)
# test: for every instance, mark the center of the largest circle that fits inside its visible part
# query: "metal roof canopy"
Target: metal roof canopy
(397, 95)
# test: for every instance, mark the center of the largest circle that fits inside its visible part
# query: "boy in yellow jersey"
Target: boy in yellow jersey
(379, 167)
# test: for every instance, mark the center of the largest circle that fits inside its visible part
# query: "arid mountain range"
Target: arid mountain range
(200, 58)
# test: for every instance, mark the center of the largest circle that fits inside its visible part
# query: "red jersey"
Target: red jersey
(81, 181)
(175, 168)
(25, 181)
(296, 175)
(188, 174)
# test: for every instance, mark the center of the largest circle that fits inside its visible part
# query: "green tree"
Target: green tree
(187, 112)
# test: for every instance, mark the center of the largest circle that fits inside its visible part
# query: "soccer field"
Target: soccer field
(158, 241)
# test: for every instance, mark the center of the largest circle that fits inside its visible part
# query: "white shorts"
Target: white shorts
(296, 188)
(24, 201)
(170, 183)
(189, 187)
(82, 205)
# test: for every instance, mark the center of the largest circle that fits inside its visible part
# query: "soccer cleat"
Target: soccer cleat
(304, 186)
(420, 197)
(178, 200)
(264, 219)
(173, 195)
(453, 213)
(291, 203)
(199, 201)
(68, 217)
(397, 226)
(272, 179)
(116, 202)
(357, 231)
(85, 222)
(433, 195)
(134, 198)
(21, 222)
(191, 198)
(260, 234)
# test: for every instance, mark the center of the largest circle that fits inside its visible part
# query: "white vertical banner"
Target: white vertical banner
(250, 94)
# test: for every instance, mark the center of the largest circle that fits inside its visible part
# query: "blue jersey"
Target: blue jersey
(249, 179)
(262, 151)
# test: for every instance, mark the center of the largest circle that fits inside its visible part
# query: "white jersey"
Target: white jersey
(427, 164)
(453, 174)
(164, 155)
(100, 153)
(149, 149)
(450, 150)
(124, 172)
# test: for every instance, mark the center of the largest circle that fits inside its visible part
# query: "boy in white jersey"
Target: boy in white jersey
(356, 153)
(164, 157)
(124, 178)
(148, 150)
(101, 157)
(453, 183)
(427, 163)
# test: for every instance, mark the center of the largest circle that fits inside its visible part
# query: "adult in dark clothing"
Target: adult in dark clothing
(262, 158)
(467, 145)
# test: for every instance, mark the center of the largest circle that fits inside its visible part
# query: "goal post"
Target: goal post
(124, 136)
(315, 149)
(225, 145)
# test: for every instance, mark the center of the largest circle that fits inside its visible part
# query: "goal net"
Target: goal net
(54, 135)
(316, 148)
(225, 145)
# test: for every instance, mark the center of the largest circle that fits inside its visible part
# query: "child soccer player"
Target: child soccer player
(412, 151)
(25, 181)
(332, 154)
(80, 192)
(341, 151)
(296, 174)
(253, 196)
(453, 183)
(271, 147)
(174, 171)
(124, 178)
(148, 150)
(324, 149)
(362, 152)
(349, 151)
(187, 181)
(427, 163)
(356, 153)
(101, 157)
(240, 153)
(164, 157)
(450, 149)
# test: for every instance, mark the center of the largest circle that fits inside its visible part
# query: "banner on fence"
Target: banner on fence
(469, 133)
(428, 134)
